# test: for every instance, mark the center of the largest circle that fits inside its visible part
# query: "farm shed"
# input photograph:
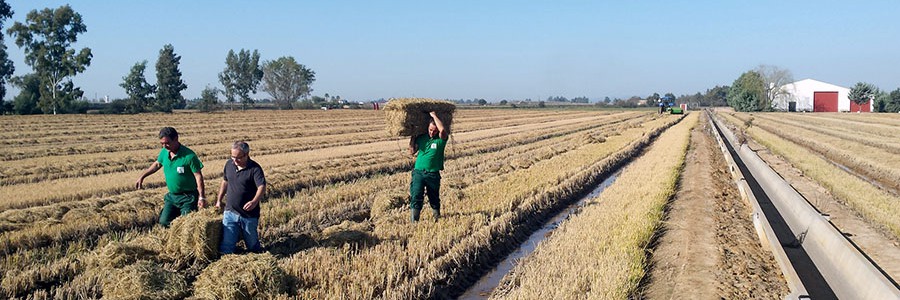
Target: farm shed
(817, 96)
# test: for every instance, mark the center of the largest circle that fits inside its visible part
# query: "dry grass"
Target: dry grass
(409, 116)
(599, 253)
(876, 163)
(332, 201)
(875, 205)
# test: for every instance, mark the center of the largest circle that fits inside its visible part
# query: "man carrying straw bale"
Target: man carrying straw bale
(181, 167)
(243, 186)
(426, 174)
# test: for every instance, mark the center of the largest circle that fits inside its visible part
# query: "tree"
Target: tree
(168, 80)
(241, 76)
(6, 66)
(482, 102)
(774, 78)
(140, 93)
(581, 99)
(47, 37)
(503, 102)
(862, 93)
(653, 99)
(717, 96)
(209, 99)
(893, 102)
(748, 92)
(286, 81)
(26, 103)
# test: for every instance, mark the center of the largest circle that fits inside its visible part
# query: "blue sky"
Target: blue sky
(491, 49)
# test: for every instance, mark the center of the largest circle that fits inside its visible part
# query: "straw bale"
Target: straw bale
(144, 280)
(409, 116)
(248, 276)
(195, 236)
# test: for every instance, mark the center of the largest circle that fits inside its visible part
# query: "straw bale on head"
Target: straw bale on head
(194, 236)
(248, 276)
(409, 116)
(144, 280)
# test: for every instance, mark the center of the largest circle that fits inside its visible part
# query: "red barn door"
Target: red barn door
(825, 101)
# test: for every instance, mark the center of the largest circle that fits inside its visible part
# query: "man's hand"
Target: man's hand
(219, 204)
(250, 205)
(201, 202)
(139, 184)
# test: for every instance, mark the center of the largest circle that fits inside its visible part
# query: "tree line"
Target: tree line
(48, 36)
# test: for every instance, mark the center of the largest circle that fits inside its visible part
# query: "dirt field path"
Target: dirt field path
(708, 248)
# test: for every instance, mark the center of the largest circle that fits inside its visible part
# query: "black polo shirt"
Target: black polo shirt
(242, 187)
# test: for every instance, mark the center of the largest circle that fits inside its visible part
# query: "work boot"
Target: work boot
(414, 214)
(436, 213)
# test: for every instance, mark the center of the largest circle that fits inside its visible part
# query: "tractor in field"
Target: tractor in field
(667, 103)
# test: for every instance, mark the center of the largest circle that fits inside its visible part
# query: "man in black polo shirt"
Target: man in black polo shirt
(244, 185)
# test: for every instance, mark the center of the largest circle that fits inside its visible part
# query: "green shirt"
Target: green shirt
(180, 169)
(431, 153)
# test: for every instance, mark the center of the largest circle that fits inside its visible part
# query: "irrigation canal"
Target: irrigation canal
(483, 288)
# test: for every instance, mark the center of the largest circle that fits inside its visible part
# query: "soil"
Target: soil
(708, 247)
(875, 241)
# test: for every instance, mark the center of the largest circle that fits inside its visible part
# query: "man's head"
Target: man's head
(433, 129)
(240, 153)
(168, 137)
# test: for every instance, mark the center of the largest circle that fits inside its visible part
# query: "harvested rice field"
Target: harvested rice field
(335, 222)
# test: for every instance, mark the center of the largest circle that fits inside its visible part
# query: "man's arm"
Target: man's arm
(155, 166)
(198, 176)
(221, 194)
(440, 125)
(413, 147)
(260, 191)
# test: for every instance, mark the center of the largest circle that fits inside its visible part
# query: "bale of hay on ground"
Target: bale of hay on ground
(195, 236)
(249, 276)
(144, 280)
(409, 116)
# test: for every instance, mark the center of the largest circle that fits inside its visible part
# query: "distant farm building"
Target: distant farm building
(816, 96)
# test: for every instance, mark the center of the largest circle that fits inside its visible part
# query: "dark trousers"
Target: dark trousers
(177, 205)
(423, 183)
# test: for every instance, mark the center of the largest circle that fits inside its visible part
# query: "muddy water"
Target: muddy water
(483, 288)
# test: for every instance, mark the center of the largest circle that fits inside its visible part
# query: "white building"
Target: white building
(817, 96)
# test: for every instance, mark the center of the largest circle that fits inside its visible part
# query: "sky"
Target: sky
(364, 50)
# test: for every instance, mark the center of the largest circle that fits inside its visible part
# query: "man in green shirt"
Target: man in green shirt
(181, 166)
(426, 175)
